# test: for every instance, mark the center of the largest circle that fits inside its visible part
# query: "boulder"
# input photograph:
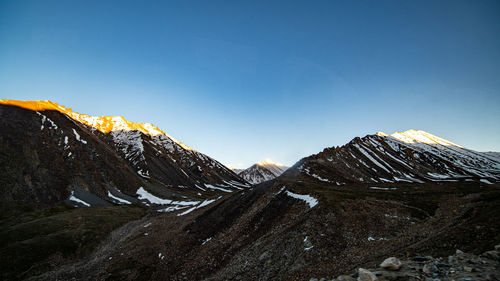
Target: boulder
(391, 263)
(366, 275)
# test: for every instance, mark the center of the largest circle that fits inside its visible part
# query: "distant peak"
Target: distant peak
(104, 124)
(418, 136)
(269, 162)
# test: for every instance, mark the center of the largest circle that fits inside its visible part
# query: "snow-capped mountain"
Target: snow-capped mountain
(410, 156)
(262, 171)
(53, 153)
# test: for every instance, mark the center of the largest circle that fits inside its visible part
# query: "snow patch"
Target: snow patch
(217, 188)
(203, 204)
(311, 201)
(120, 201)
(382, 188)
(486, 181)
(73, 198)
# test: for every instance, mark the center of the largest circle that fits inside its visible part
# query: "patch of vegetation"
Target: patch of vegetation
(35, 241)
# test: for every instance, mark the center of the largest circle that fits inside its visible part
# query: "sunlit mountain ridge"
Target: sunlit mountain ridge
(104, 124)
(418, 136)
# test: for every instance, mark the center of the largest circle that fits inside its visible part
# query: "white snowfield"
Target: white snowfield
(311, 201)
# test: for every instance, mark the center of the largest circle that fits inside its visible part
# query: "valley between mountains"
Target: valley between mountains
(103, 198)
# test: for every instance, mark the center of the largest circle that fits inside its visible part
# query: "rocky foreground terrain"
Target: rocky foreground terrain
(460, 267)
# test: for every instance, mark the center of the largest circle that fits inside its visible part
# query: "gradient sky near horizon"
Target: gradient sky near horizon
(247, 80)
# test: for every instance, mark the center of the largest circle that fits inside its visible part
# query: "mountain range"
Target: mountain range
(102, 198)
(51, 153)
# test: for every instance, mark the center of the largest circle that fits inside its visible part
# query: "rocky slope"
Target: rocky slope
(50, 153)
(262, 171)
(288, 230)
(411, 156)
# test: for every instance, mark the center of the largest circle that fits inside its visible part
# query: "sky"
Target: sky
(243, 81)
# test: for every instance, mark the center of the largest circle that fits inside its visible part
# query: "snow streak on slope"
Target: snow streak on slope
(311, 201)
(411, 156)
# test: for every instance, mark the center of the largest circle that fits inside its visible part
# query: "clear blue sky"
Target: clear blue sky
(246, 80)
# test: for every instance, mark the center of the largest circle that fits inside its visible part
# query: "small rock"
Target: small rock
(313, 279)
(430, 268)
(494, 255)
(391, 263)
(468, 268)
(458, 252)
(450, 259)
(491, 277)
(420, 258)
(366, 275)
(441, 264)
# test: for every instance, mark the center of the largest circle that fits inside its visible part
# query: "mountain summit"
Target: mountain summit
(262, 171)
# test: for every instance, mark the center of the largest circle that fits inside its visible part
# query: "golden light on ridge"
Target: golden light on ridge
(268, 161)
(104, 124)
